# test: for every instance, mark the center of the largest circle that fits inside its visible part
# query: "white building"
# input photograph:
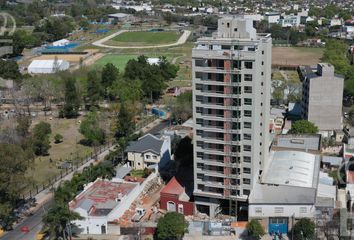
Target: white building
(101, 203)
(289, 21)
(335, 22)
(231, 107)
(289, 190)
(272, 17)
(61, 43)
(47, 66)
(149, 150)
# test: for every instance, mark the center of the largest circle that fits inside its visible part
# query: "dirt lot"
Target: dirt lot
(296, 55)
(73, 58)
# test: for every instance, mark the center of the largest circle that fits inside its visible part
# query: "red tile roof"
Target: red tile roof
(173, 187)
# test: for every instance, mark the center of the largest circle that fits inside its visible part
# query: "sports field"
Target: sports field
(296, 55)
(144, 38)
(118, 60)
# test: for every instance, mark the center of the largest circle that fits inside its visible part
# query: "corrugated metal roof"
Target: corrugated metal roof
(305, 142)
(292, 168)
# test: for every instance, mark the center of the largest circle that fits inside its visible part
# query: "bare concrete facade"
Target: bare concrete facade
(322, 96)
(231, 105)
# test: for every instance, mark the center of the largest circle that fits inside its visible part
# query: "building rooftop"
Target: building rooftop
(334, 161)
(101, 197)
(173, 187)
(301, 142)
(292, 168)
(146, 143)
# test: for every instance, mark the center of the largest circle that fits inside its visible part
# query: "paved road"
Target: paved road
(34, 222)
(101, 42)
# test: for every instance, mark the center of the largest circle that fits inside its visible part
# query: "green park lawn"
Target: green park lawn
(145, 38)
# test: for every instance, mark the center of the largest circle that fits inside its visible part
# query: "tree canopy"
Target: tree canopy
(255, 229)
(303, 127)
(304, 229)
(40, 138)
(91, 130)
(71, 99)
(171, 226)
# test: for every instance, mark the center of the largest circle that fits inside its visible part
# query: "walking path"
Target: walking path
(101, 42)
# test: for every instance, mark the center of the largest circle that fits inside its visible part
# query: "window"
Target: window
(248, 65)
(236, 137)
(225, 47)
(262, 73)
(237, 64)
(147, 156)
(247, 159)
(247, 136)
(199, 121)
(303, 210)
(238, 47)
(247, 101)
(236, 114)
(236, 90)
(199, 132)
(200, 143)
(171, 206)
(262, 63)
(154, 157)
(236, 148)
(235, 29)
(200, 154)
(247, 77)
(262, 52)
(246, 192)
(228, 25)
(247, 148)
(258, 210)
(247, 113)
(180, 208)
(278, 210)
(236, 78)
(251, 49)
(236, 125)
(248, 89)
(247, 125)
(247, 170)
(199, 109)
(246, 181)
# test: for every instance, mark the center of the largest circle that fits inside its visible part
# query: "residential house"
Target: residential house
(173, 198)
(149, 150)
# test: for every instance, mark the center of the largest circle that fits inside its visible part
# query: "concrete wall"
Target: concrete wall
(299, 211)
(325, 102)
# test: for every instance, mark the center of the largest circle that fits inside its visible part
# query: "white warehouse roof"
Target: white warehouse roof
(48, 66)
(292, 168)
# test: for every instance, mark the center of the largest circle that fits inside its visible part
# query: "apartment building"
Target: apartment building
(322, 97)
(231, 105)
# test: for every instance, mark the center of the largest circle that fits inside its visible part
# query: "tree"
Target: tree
(23, 125)
(71, 100)
(255, 229)
(171, 226)
(89, 127)
(126, 90)
(40, 138)
(57, 218)
(125, 124)
(303, 127)
(182, 108)
(58, 138)
(304, 229)
(9, 70)
(14, 162)
(94, 90)
(109, 74)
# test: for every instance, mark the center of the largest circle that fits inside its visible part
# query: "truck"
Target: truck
(139, 214)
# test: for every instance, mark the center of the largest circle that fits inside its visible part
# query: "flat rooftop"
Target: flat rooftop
(298, 141)
(292, 168)
(101, 197)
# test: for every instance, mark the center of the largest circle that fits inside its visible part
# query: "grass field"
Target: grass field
(44, 167)
(296, 55)
(121, 60)
(144, 38)
(118, 60)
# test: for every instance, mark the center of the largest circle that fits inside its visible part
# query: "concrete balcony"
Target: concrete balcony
(211, 173)
(223, 54)
(199, 192)
(211, 162)
(207, 69)
(220, 106)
